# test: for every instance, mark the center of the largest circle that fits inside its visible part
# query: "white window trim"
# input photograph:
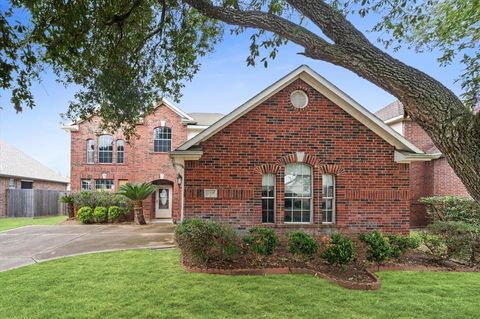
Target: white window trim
(163, 139)
(98, 148)
(91, 151)
(311, 198)
(274, 200)
(334, 199)
(122, 151)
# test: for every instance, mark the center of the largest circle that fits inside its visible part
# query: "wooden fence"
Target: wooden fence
(34, 203)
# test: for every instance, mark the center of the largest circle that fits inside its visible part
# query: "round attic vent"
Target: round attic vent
(299, 99)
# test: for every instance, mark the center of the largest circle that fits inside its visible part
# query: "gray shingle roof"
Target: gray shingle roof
(206, 118)
(14, 162)
(392, 110)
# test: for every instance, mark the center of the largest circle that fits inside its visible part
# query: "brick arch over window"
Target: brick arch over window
(332, 169)
(267, 169)
(299, 157)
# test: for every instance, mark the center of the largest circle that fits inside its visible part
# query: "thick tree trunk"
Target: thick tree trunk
(452, 127)
(138, 209)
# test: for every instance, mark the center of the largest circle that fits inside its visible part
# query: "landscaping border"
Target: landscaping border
(376, 284)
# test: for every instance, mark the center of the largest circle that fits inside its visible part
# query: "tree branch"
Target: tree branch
(120, 18)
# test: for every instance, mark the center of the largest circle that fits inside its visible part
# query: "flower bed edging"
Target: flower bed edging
(283, 271)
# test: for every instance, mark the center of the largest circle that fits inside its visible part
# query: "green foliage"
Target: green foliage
(85, 215)
(378, 247)
(204, 240)
(262, 240)
(100, 214)
(401, 244)
(114, 213)
(67, 199)
(340, 250)
(101, 198)
(302, 243)
(137, 192)
(452, 208)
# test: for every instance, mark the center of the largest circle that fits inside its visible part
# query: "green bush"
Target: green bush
(100, 214)
(435, 244)
(203, 240)
(452, 208)
(262, 240)
(101, 198)
(85, 215)
(378, 247)
(401, 244)
(340, 251)
(302, 243)
(114, 213)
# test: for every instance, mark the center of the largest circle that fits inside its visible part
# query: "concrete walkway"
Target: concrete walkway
(31, 244)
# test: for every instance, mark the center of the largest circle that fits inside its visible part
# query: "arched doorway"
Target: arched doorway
(163, 199)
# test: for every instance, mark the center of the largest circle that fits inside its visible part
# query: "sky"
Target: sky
(223, 83)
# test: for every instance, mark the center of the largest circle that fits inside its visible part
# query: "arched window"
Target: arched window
(268, 198)
(105, 149)
(162, 139)
(90, 151)
(120, 151)
(298, 193)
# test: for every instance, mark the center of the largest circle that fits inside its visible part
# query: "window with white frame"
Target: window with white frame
(12, 183)
(86, 184)
(162, 139)
(268, 198)
(120, 151)
(90, 151)
(105, 149)
(298, 193)
(328, 198)
(104, 184)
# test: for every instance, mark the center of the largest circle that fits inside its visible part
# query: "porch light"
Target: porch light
(179, 179)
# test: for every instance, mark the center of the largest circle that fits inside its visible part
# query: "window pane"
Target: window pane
(105, 149)
(297, 216)
(268, 198)
(90, 151)
(120, 151)
(298, 193)
(162, 139)
(288, 216)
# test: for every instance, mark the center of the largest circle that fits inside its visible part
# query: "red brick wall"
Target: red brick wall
(435, 178)
(141, 164)
(372, 191)
(37, 184)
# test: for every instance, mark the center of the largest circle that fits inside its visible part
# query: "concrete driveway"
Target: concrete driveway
(32, 244)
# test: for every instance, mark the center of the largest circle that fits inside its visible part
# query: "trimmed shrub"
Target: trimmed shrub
(114, 213)
(204, 240)
(340, 250)
(302, 243)
(378, 247)
(452, 208)
(101, 198)
(401, 244)
(435, 244)
(85, 215)
(100, 214)
(262, 240)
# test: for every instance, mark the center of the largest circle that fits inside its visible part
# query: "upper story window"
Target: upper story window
(120, 151)
(298, 193)
(162, 139)
(328, 198)
(90, 151)
(12, 183)
(105, 149)
(86, 184)
(268, 198)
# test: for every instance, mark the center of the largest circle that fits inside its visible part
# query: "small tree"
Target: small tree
(137, 193)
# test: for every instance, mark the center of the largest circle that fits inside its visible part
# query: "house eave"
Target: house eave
(407, 157)
(70, 128)
(186, 155)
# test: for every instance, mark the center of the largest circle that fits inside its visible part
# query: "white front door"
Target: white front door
(163, 202)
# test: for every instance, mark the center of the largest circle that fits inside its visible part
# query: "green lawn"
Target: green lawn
(9, 223)
(150, 284)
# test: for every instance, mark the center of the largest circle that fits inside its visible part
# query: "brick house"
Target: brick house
(430, 178)
(100, 160)
(300, 154)
(20, 171)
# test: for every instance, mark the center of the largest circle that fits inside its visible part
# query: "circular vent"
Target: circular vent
(299, 99)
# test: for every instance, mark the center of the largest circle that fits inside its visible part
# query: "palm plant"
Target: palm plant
(137, 193)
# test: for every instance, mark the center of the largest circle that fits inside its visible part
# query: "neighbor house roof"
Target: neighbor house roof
(391, 111)
(205, 119)
(15, 163)
(332, 93)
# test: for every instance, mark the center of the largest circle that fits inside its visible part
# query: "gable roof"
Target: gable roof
(327, 89)
(16, 163)
(205, 119)
(185, 117)
(391, 111)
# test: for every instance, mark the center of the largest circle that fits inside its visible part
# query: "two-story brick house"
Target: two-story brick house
(430, 178)
(100, 160)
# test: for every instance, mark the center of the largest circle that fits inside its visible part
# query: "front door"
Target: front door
(163, 202)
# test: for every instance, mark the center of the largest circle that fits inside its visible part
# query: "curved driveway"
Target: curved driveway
(31, 244)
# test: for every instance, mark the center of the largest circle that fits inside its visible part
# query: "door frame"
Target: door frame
(164, 213)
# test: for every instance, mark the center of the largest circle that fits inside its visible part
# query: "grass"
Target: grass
(9, 223)
(151, 284)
